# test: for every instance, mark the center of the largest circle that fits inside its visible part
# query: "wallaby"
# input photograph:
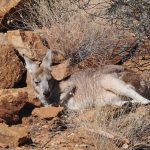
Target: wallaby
(83, 89)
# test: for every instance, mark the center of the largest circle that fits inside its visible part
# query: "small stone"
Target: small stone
(47, 112)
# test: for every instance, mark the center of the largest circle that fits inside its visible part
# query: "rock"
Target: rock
(141, 65)
(8, 10)
(11, 102)
(3, 39)
(61, 71)
(32, 45)
(47, 112)
(58, 57)
(11, 68)
(13, 136)
(55, 37)
(6, 5)
(28, 43)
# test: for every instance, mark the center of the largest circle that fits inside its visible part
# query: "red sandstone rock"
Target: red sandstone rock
(11, 68)
(47, 112)
(11, 102)
(13, 136)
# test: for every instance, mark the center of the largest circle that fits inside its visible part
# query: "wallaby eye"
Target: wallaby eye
(49, 79)
(37, 82)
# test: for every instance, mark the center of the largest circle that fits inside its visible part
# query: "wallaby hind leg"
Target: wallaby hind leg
(119, 87)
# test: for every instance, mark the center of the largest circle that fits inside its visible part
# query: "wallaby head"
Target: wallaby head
(41, 78)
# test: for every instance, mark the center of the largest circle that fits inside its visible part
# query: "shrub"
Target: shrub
(131, 14)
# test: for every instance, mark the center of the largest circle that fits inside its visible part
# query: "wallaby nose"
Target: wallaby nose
(46, 93)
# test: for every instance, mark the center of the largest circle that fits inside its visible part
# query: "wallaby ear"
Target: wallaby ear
(30, 65)
(47, 60)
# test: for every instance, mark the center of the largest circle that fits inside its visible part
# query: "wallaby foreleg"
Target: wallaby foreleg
(67, 89)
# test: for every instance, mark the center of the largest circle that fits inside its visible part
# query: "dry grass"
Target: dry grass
(77, 29)
(113, 127)
(74, 30)
(79, 34)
